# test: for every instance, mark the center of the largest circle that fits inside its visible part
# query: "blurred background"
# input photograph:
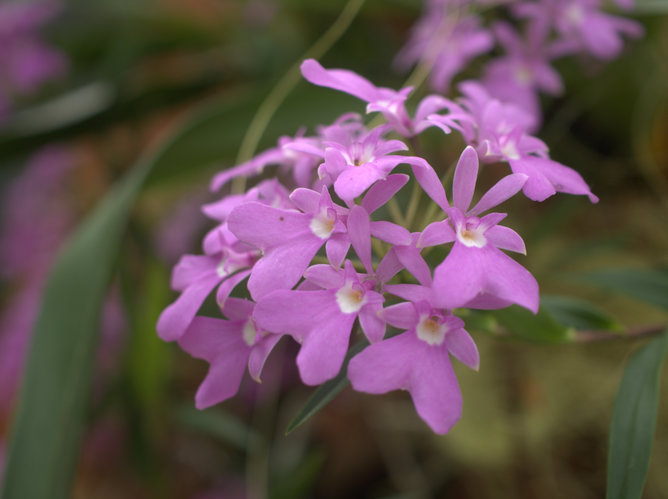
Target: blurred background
(88, 90)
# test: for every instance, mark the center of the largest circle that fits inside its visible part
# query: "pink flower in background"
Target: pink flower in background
(524, 70)
(447, 40)
(26, 62)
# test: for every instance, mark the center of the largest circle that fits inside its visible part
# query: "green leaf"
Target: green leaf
(217, 423)
(650, 286)
(579, 314)
(50, 417)
(542, 327)
(651, 7)
(634, 421)
(326, 392)
(298, 481)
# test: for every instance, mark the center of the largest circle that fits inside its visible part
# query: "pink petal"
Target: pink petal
(354, 180)
(222, 381)
(339, 79)
(402, 315)
(325, 276)
(466, 175)
(382, 191)
(206, 337)
(390, 233)
(410, 292)
(324, 348)
(436, 233)
(191, 268)
(434, 389)
(359, 232)
(537, 186)
(460, 277)
(264, 226)
(174, 320)
(508, 280)
(428, 180)
(372, 325)
(411, 259)
(385, 366)
(227, 286)
(294, 312)
(463, 348)
(281, 267)
(388, 267)
(306, 200)
(505, 238)
(504, 189)
(337, 248)
(259, 353)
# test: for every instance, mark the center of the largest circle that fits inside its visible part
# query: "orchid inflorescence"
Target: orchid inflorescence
(323, 244)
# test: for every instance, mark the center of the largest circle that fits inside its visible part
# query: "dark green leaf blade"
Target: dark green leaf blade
(634, 420)
(50, 417)
(579, 314)
(650, 286)
(541, 328)
(325, 392)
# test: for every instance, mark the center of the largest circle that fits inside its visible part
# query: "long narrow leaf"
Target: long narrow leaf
(634, 421)
(650, 286)
(50, 417)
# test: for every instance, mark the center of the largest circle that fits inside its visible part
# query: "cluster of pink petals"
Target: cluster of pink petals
(322, 255)
(450, 34)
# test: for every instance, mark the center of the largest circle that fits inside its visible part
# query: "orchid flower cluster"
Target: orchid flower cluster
(322, 245)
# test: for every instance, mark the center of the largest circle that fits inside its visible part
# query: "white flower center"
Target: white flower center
(575, 14)
(523, 75)
(509, 150)
(431, 330)
(322, 225)
(249, 332)
(349, 299)
(471, 236)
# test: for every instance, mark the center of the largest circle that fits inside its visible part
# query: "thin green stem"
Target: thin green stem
(285, 85)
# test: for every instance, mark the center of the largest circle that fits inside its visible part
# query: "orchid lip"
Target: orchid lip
(431, 330)
(249, 332)
(350, 298)
(322, 225)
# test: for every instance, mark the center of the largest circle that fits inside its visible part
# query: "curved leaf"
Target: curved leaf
(579, 314)
(634, 421)
(50, 418)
